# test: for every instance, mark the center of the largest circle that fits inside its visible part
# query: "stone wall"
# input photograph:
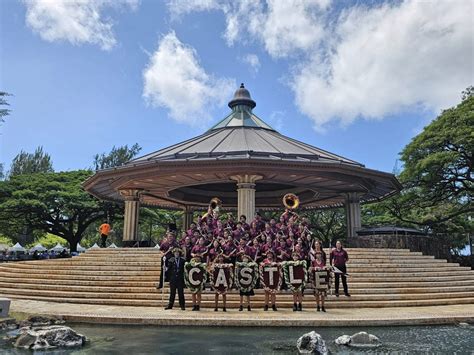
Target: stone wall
(428, 245)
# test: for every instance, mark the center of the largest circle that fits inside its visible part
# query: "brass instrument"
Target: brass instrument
(214, 206)
(291, 201)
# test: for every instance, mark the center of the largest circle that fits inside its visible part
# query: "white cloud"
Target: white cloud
(252, 60)
(74, 21)
(282, 26)
(175, 80)
(362, 61)
(387, 59)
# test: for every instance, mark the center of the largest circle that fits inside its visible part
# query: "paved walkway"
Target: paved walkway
(207, 317)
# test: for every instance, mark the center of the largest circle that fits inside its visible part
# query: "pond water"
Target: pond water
(134, 340)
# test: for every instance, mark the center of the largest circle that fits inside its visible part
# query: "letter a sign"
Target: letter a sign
(222, 276)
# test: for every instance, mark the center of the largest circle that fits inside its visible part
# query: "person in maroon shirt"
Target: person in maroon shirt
(339, 258)
(243, 222)
(214, 251)
(200, 249)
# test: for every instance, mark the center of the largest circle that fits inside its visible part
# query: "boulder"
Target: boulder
(359, 340)
(343, 340)
(464, 325)
(35, 321)
(311, 343)
(53, 336)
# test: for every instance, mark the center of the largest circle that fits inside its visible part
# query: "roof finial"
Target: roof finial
(242, 97)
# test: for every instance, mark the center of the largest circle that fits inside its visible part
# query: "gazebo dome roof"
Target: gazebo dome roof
(190, 173)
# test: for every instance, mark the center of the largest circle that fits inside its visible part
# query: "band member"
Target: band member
(196, 296)
(246, 294)
(200, 249)
(318, 248)
(176, 277)
(339, 258)
(298, 291)
(270, 295)
(243, 222)
(104, 231)
(214, 251)
(222, 290)
(320, 292)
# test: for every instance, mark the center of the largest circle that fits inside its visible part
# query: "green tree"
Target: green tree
(3, 102)
(52, 203)
(31, 163)
(117, 157)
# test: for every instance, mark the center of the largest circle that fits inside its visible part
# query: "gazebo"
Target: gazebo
(248, 165)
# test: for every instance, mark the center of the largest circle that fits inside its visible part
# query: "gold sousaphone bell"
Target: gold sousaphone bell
(291, 201)
(215, 204)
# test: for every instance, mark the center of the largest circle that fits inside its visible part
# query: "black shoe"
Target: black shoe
(347, 294)
(194, 308)
(183, 308)
(215, 309)
(323, 309)
(318, 309)
(168, 307)
(337, 294)
(198, 308)
(241, 308)
(274, 307)
(265, 308)
(224, 309)
(295, 308)
(248, 308)
(300, 307)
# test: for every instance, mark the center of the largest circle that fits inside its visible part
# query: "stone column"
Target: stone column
(187, 217)
(353, 219)
(130, 219)
(246, 195)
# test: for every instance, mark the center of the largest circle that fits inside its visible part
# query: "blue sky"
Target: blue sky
(359, 80)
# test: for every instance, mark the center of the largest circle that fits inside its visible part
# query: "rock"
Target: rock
(8, 324)
(311, 343)
(343, 340)
(53, 336)
(464, 325)
(359, 340)
(35, 321)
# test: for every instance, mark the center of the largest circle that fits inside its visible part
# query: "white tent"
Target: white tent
(112, 246)
(80, 249)
(38, 247)
(95, 246)
(17, 248)
(58, 248)
(157, 246)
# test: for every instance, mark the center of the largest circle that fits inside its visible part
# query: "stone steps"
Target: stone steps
(421, 285)
(150, 288)
(154, 295)
(378, 278)
(331, 302)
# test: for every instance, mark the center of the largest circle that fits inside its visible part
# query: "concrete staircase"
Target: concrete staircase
(127, 277)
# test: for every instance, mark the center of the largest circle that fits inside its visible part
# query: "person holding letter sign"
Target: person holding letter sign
(246, 277)
(270, 279)
(195, 275)
(321, 280)
(221, 279)
(295, 277)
